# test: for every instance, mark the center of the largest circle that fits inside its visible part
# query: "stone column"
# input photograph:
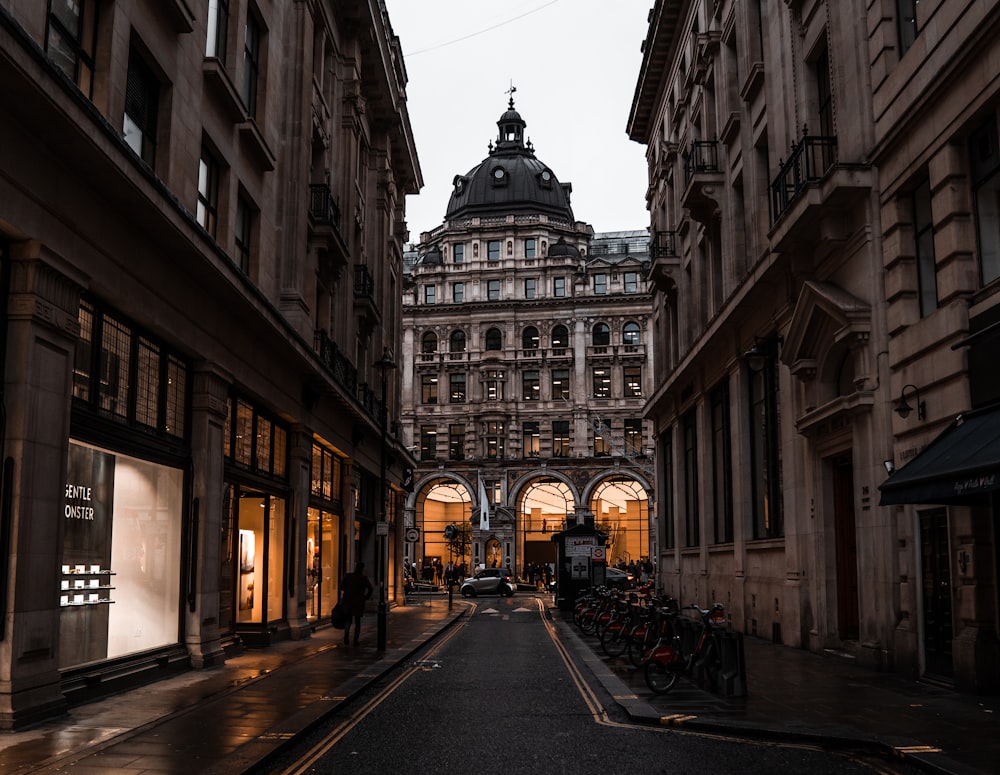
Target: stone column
(299, 467)
(43, 328)
(201, 605)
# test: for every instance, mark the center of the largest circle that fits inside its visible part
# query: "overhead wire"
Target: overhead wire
(483, 31)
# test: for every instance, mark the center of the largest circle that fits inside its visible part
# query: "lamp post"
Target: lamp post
(384, 364)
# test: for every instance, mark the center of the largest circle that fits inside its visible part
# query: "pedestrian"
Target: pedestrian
(355, 589)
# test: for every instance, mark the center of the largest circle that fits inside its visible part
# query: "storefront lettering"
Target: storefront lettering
(79, 492)
(976, 483)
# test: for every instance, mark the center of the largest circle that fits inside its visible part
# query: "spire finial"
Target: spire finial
(510, 92)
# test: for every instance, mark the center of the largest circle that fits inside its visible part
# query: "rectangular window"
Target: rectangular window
(560, 438)
(923, 233)
(632, 381)
(493, 386)
(456, 441)
(906, 10)
(428, 388)
(71, 40)
(493, 290)
(602, 439)
(251, 65)
(633, 436)
(722, 471)
(458, 253)
(142, 99)
(530, 388)
(824, 95)
(255, 442)
(428, 442)
(531, 439)
(666, 507)
(208, 192)
(150, 393)
(765, 462)
(600, 284)
(244, 230)
(429, 294)
(985, 168)
(326, 474)
(530, 251)
(493, 250)
(493, 440)
(458, 292)
(631, 282)
(559, 287)
(560, 384)
(218, 28)
(456, 388)
(529, 288)
(692, 529)
(602, 382)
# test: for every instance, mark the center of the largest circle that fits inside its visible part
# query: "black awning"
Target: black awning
(962, 464)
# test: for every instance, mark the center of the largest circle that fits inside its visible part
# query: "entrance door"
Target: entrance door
(847, 548)
(936, 592)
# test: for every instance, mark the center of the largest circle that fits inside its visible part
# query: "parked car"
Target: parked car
(619, 579)
(489, 581)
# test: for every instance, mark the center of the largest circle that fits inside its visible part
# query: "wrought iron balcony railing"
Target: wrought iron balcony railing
(322, 207)
(810, 159)
(664, 244)
(364, 283)
(702, 156)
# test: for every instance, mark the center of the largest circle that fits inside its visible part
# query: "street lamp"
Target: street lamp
(384, 364)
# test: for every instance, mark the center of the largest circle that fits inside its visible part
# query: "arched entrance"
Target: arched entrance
(443, 508)
(621, 510)
(542, 509)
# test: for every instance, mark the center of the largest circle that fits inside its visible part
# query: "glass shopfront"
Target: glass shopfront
(252, 584)
(324, 558)
(121, 556)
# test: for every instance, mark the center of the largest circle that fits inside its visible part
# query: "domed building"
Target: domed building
(525, 368)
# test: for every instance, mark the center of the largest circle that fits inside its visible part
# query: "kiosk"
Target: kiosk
(576, 569)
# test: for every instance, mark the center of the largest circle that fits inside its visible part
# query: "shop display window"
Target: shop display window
(121, 556)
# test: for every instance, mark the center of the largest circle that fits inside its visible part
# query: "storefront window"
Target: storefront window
(322, 550)
(260, 549)
(121, 556)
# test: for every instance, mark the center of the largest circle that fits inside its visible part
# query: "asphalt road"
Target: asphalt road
(496, 695)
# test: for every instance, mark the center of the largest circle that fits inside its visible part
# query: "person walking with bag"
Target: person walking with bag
(355, 589)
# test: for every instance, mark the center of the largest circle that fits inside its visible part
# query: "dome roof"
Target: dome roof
(510, 180)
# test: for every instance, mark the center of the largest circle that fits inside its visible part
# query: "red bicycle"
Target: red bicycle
(667, 660)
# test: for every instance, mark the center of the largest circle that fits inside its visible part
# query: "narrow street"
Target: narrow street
(497, 695)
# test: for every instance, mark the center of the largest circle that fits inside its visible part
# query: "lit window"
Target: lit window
(560, 384)
(429, 388)
(560, 438)
(531, 439)
(602, 382)
(456, 441)
(428, 442)
(633, 381)
(631, 334)
(456, 388)
(530, 386)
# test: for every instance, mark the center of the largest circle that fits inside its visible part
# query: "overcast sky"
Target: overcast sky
(574, 64)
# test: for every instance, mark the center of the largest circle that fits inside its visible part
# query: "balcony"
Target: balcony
(703, 180)
(809, 161)
(344, 374)
(663, 251)
(812, 194)
(365, 308)
(325, 234)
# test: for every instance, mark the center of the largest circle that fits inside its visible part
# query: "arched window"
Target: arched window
(529, 338)
(631, 334)
(457, 342)
(429, 343)
(494, 339)
(560, 336)
(602, 335)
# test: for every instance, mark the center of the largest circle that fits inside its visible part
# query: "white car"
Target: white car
(495, 581)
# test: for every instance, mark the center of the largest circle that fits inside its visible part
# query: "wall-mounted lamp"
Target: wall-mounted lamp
(761, 350)
(890, 467)
(903, 408)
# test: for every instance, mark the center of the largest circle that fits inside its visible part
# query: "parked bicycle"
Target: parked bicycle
(671, 657)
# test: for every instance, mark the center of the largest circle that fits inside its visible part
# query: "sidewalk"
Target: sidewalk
(796, 695)
(251, 705)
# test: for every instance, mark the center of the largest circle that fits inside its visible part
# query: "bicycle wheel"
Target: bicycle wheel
(588, 622)
(614, 641)
(711, 665)
(637, 649)
(661, 677)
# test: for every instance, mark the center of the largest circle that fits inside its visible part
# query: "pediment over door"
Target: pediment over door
(826, 349)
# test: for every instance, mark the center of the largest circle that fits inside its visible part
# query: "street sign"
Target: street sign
(412, 534)
(381, 528)
(598, 554)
